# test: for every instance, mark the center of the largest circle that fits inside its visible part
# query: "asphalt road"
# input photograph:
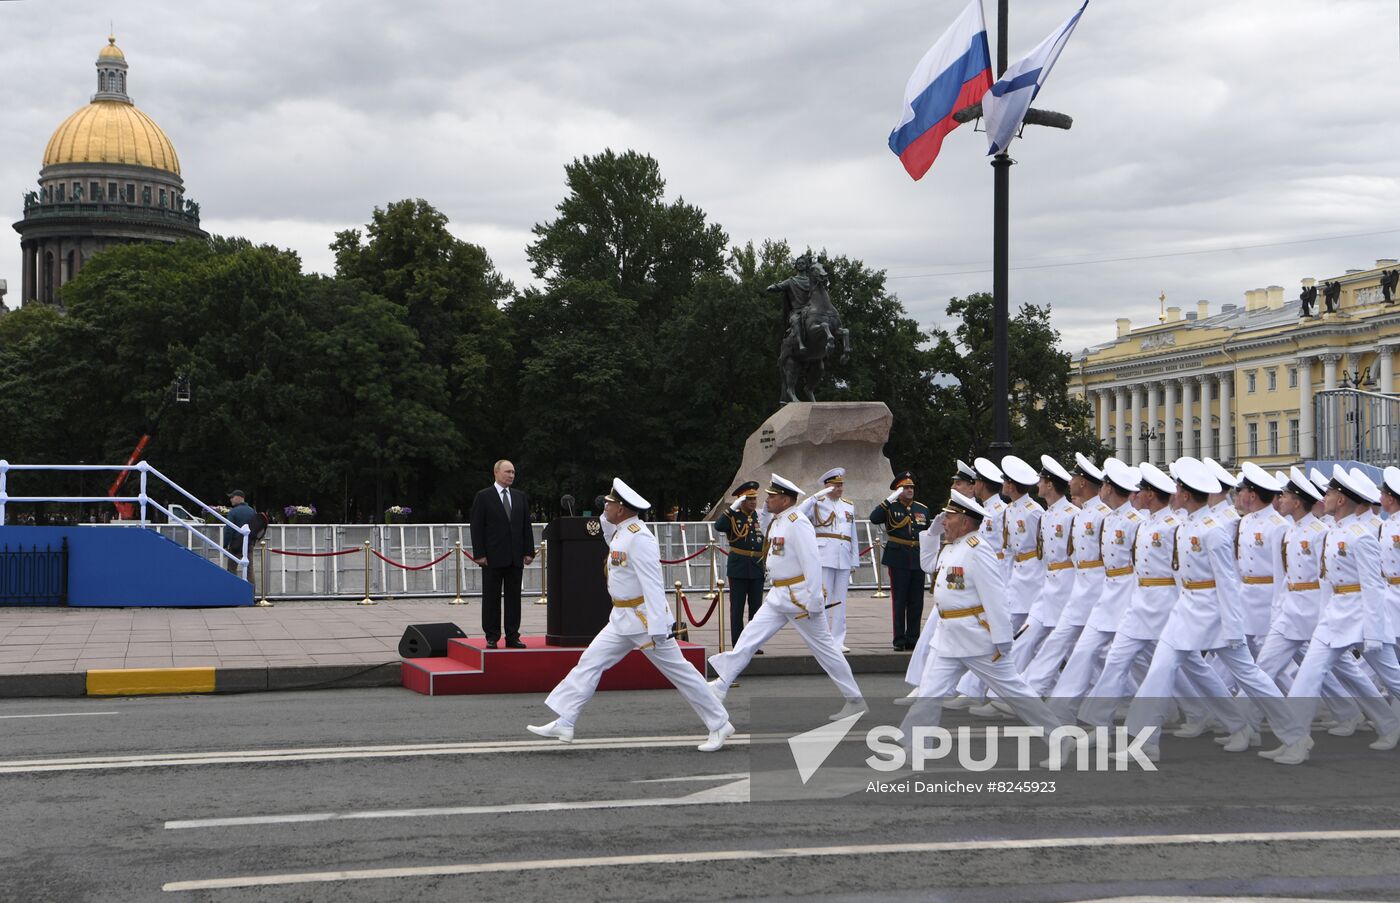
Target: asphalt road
(383, 794)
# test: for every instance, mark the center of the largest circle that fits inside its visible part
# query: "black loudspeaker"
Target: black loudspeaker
(428, 640)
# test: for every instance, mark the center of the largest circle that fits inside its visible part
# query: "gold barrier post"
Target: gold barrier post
(682, 630)
(719, 603)
(875, 563)
(710, 596)
(367, 600)
(457, 599)
(544, 573)
(262, 602)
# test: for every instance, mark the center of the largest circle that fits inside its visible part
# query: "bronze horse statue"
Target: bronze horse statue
(814, 331)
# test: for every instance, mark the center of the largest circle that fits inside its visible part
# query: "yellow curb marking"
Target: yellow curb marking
(149, 681)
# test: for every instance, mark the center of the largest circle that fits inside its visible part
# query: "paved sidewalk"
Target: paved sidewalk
(294, 645)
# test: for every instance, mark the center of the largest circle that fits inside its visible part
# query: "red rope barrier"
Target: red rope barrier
(313, 554)
(412, 567)
(687, 558)
(864, 550)
(691, 615)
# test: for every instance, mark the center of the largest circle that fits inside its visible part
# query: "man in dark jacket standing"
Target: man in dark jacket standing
(904, 519)
(240, 514)
(503, 543)
(740, 525)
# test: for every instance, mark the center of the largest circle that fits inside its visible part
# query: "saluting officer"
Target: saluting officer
(903, 519)
(835, 521)
(744, 565)
(640, 620)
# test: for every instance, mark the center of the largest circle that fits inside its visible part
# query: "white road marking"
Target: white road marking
(713, 856)
(246, 756)
(733, 776)
(60, 715)
(734, 792)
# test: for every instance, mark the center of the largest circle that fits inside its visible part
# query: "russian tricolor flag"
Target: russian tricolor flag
(955, 73)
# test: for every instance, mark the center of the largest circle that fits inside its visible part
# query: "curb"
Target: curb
(188, 681)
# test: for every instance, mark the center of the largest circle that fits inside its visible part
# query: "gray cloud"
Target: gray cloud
(1198, 125)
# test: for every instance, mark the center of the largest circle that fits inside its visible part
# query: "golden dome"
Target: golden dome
(109, 131)
(111, 51)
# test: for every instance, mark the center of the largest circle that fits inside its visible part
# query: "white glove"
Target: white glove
(658, 640)
(1370, 647)
(734, 505)
(894, 495)
(1003, 649)
(1236, 643)
(823, 493)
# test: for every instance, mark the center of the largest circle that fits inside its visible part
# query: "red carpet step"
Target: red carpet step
(469, 667)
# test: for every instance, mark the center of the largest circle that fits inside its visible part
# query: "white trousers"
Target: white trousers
(972, 685)
(607, 649)
(1080, 672)
(1154, 695)
(940, 679)
(1321, 661)
(1387, 668)
(814, 632)
(1044, 670)
(834, 584)
(1278, 652)
(1115, 682)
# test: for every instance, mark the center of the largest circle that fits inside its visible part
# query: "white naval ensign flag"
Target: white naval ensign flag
(1006, 103)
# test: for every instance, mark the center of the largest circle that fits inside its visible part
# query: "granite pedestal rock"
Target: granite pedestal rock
(804, 440)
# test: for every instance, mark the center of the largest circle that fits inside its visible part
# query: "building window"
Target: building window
(1196, 443)
(1250, 382)
(59, 193)
(112, 191)
(1273, 437)
(162, 197)
(1254, 440)
(1292, 377)
(130, 193)
(1293, 436)
(1273, 380)
(146, 195)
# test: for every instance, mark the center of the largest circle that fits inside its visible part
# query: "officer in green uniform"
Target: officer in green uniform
(904, 519)
(739, 523)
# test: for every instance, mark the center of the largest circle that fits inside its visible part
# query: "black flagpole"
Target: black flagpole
(1001, 189)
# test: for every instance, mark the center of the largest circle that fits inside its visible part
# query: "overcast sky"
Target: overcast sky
(1200, 125)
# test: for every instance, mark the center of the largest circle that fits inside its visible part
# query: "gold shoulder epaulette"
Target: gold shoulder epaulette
(1132, 515)
(1169, 520)
(1275, 519)
(1209, 522)
(634, 528)
(793, 516)
(973, 541)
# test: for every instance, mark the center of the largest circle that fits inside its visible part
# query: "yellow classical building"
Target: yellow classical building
(1241, 383)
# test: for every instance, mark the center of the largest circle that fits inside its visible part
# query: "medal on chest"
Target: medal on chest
(1059, 531)
(1259, 540)
(920, 519)
(1304, 545)
(1118, 536)
(1020, 526)
(777, 547)
(1156, 540)
(618, 559)
(956, 580)
(1342, 549)
(1195, 543)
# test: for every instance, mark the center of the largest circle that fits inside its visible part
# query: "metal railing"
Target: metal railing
(35, 576)
(144, 471)
(1351, 425)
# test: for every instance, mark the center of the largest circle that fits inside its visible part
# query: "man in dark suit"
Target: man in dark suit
(503, 543)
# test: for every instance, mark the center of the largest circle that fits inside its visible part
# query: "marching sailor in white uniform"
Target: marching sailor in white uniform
(640, 620)
(795, 598)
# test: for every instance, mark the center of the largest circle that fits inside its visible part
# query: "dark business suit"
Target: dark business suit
(505, 542)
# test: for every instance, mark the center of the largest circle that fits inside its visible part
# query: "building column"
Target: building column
(1188, 401)
(1329, 371)
(26, 292)
(1384, 355)
(1101, 413)
(1305, 409)
(1227, 418)
(1134, 452)
(1150, 445)
(1207, 430)
(1120, 426)
(1169, 402)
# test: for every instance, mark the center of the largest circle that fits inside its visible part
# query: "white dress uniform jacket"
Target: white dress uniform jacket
(1259, 557)
(1390, 569)
(835, 525)
(1208, 613)
(794, 565)
(1022, 524)
(1155, 589)
(1300, 603)
(993, 532)
(1053, 547)
(970, 597)
(1353, 590)
(633, 567)
(1118, 535)
(1086, 548)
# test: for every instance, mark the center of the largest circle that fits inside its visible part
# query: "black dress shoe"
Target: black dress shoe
(490, 644)
(759, 652)
(514, 644)
(900, 646)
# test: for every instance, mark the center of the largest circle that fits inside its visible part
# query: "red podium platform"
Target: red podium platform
(470, 667)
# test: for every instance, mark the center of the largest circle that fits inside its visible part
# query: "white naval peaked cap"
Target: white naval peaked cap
(1258, 477)
(781, 485)
(1196, 475)
(834, 475)
(1086, 468)
(1368, 486)
(1302, 485)
(965, 471)
(1152, 475)
(1227, 479)
(1121, 475)
(986, 470)
(1342, 480)
(1318, 479)
(1280, 478)
(1018, 471)
(1171, 468)
(1054, 468)
(962, 504)
(628, 496)
(1391, 477)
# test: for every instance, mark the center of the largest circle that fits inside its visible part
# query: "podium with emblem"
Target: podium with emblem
(579, 604)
